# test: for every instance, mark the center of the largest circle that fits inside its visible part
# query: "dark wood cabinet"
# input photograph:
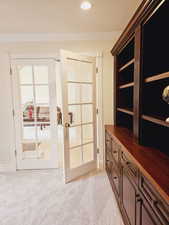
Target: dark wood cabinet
(146, 218)
(142, 73)
(137, 153)
(128, 197)
(145, 214)
(140, 202)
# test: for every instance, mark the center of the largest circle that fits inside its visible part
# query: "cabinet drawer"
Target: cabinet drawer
(115, 179)
(145, 213)
(130, 167)
(115, 150)
(108, 164)
(108, 142)
(159, 206)
(109, 156)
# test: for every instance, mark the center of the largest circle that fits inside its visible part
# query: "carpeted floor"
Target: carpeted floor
(41, 198)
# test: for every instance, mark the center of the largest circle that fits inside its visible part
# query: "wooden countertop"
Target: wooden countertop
(151, 162)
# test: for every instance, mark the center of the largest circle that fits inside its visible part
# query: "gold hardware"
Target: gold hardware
(67, 125)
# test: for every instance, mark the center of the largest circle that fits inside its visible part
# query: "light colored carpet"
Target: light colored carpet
(41, 198)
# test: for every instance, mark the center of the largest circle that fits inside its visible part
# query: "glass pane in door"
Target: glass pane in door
(44, 140)
(87, 133)
(87, 113)
(74, 115)
(75, 136)
(79, 71)
(27, 94)
(29, 140)
(25, 74)
(86, 93)
(42, 94)
(88, 152)
(29, 131)
(35, 108)
(41, 74)
(75, 157)
(74, 93)
(86, 71)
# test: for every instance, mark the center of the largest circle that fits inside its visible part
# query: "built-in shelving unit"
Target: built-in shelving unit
(141, 74)
(156, 120)
(125, 84)
(155, 73)
(128, 111)
(138, 143)
(126, 65)
(157, 77)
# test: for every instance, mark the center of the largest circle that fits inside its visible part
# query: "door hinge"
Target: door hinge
(98, 150)
(11, 71)
(97, 69)
(15, 153)
(97, 111)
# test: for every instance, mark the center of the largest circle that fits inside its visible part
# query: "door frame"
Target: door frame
(99, 101)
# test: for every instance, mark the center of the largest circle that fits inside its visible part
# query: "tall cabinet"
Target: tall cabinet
(137, 149)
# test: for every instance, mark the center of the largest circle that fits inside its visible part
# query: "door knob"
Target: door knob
(67, 125)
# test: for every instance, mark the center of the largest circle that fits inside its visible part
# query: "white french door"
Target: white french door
(34, 88)
(79, 114)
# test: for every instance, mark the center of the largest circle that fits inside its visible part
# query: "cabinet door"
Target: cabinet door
(129, 199)
(115, 179)
(108, 142)
(145, 214)
(115, 151)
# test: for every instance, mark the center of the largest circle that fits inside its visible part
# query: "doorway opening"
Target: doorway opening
(55, 113)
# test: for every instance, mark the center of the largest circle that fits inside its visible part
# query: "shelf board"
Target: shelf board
(126, 65)
(126, 85)
(157, 77)
(125, 110)
(158, 120)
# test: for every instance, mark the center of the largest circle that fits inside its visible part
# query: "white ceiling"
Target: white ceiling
(59, 16)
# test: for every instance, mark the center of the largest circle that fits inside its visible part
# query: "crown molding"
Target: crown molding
(33, 37)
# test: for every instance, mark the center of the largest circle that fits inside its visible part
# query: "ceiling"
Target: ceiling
(60, 16)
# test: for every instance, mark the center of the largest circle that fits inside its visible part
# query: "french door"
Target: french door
(79, 114)
(34, 88)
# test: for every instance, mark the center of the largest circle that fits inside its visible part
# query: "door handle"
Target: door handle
(71, 117)
(67, 125)
(59, 116)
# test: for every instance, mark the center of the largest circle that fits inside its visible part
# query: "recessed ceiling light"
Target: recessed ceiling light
(86, 5)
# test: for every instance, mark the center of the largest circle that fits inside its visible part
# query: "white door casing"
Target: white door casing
(7, 142)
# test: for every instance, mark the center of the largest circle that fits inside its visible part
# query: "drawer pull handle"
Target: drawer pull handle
(114, 178)
(115, 152)
(155, 202)
(138, 199)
